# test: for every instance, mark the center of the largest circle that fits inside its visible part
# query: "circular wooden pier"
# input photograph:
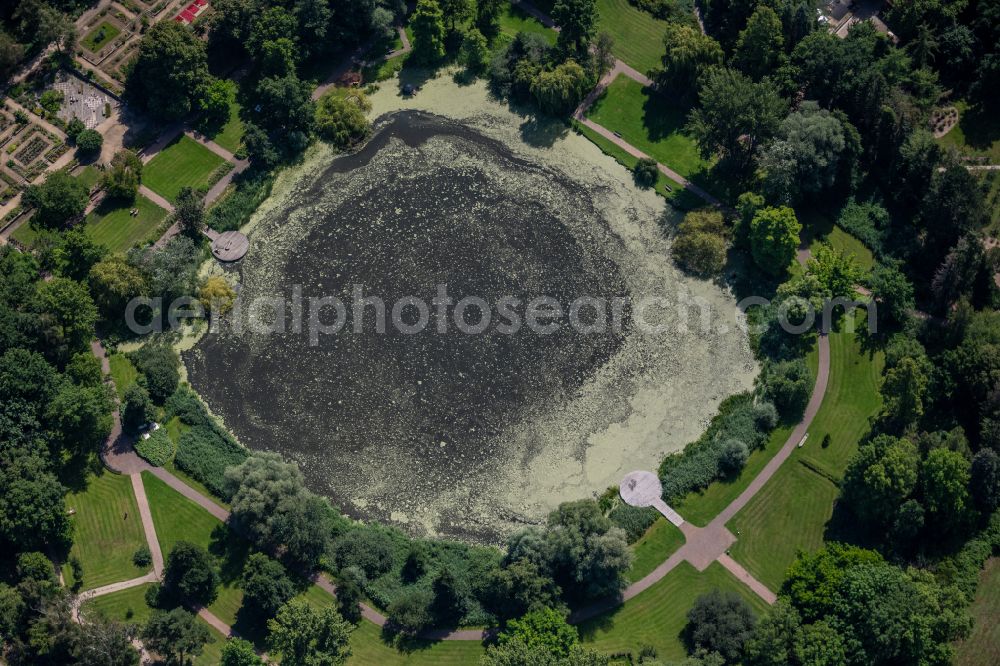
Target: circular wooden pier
(230, 246)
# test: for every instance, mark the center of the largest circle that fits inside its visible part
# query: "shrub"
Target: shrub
(633, 520)
(142, 558)
(51, 100)
(701, 243)
(867, 222)
(157, 449)
(732, 456)
(411, 611)
(370, 548)
(185, 405)
(714, 455)
(204, 452)
(646, 172)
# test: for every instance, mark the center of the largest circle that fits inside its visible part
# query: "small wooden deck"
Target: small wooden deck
(230, 246)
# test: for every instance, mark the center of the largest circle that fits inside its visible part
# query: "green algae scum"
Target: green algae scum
(449, 423)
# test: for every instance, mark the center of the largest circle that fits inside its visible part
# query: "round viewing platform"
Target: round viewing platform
(230, 246)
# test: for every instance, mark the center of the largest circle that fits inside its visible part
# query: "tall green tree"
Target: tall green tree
(736, 115)
(169, 73)
(689, 55)
(176, 635)
(428, 28)
(238, 652)
(488, 17)
(266, 585)
(774, 238)
(57, 200)
(560, 90)
(577, 21)
(720, 622)
(190, 212)
(944, 480)
(760, 47)
(305, 636)
(545, 629)
(68, 315)
(806, 157)
(190, 574)
(122, 179)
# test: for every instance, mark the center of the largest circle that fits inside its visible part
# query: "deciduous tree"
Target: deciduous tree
(305, 636)
(170, 71)
(56, 201)
(736, 115)
(774, 238)
(176, 635)
(688, 57)
(427, 24)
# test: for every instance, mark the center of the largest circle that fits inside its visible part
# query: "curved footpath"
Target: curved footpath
(703, 545)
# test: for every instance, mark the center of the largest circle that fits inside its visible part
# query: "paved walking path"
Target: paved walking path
(580, 114)
(147, 523)
(128, 462)
(156, 198)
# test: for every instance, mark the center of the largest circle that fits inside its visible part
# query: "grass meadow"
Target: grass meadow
(176, 518)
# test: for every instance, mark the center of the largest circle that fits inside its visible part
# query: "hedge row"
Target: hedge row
(742, 424)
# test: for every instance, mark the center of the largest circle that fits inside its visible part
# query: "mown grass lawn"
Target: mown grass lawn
(124, 606)
(819, 226)
(514, 20)
(184, 163)
(107, 530)
(112, 225)
(27, 235)
(130, 606)
(367, 646)
(89, 175)
(673, 191)
(637, 35)
(176, 518)
(976, 134)
(657, 616)
(658, 543)
(649, 122)
(982, 647)
(100, 36)
(230, 135)
(791, 512)
(123, 373)
(700, 508)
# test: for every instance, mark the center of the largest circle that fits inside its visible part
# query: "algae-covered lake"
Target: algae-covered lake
(448, 429)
